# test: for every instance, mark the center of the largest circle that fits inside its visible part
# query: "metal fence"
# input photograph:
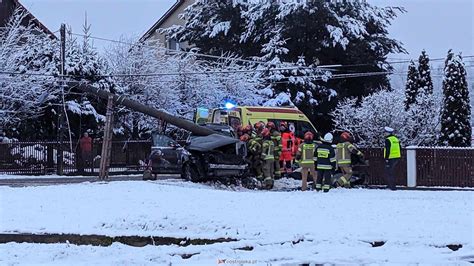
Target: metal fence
(39, 158)
(452, 167)
(434, 166)
(376, 169)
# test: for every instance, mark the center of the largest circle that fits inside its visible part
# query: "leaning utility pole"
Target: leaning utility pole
(60, 154)
(107, 141)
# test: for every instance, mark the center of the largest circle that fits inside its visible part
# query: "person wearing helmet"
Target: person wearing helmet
(343, 156)
(239, 131)
(306, 156)
(268, 157)
(276, 137)
(247, 130)
(392, 155)
(254, 148)
(245, 138)
(287, 147)
(258, 127)
(326, 163)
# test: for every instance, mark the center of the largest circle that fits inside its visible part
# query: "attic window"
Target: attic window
(173, 44)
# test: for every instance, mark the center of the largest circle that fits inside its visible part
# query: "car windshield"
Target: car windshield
(162, 141)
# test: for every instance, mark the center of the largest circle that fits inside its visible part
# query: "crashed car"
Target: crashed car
(201, 158)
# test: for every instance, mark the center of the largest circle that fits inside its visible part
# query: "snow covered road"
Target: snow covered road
(281, 227)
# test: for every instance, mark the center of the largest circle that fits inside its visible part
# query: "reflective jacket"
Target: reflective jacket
(287, 141)
(392, 148)
(306, 154)
(344, 151)
(325, 157)
(268, 150)
(276, 137)
(255, 146)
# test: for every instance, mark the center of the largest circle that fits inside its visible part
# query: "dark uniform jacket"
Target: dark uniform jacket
(326, 157)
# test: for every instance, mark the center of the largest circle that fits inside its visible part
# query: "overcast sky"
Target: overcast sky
(434, 25)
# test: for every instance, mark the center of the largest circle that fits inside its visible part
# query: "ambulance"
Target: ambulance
(235, 116)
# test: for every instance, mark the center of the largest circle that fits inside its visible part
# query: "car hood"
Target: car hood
(211, 142)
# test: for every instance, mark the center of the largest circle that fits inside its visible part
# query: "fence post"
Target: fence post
(411, 166)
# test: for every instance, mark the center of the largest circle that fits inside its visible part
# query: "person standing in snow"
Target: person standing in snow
(268, 157)
(85, 144)
(276, 137)
(392, 155)
(306, 156)
(326, 163)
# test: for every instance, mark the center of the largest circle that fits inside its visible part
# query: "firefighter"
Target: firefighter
(276, 137)
(287, 141)
(239, 130)
(326, 163)
(306, 156)
(254, 155)
(392, 155)
(247, 130)
(268, 157)
(258, 127)
(343, 155)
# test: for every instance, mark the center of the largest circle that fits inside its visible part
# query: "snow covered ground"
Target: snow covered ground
(281, 227)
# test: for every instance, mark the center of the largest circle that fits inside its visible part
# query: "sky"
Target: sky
(434, 25)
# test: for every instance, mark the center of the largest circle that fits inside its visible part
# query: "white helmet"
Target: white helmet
(328, 137)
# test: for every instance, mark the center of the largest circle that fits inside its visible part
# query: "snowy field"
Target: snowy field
(281, 227)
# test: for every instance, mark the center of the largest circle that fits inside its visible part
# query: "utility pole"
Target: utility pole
(60, 154)
(107, 142)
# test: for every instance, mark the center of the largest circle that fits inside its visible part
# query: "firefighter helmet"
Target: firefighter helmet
(259, 126)
(308, 135)
(345, 136)
(328, 138)
(284, 124)
(271, 125)
(266, 132)
(247, 129)
(245, 137)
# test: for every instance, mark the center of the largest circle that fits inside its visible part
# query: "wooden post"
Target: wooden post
(60, 155)
(107, 142)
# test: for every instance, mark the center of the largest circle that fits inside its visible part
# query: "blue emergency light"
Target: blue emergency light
(229, 105)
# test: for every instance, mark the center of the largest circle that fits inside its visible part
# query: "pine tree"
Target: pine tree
(412, 85)
(322, 32)
(424, 71)
(455, 119)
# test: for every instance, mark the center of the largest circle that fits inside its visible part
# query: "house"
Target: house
(6, 10)
(170, 18)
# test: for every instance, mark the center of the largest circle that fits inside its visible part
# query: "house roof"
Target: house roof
(161, 20)
(30, 18)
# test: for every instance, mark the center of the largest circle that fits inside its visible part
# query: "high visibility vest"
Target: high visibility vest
(307, 153)
(394, 152)
(268, 150)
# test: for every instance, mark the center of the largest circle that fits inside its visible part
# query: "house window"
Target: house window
(173, 44)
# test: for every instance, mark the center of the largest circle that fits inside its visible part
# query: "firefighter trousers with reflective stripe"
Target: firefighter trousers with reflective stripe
(304, 175)
(268, 168)
(324, 176)
(344, 180)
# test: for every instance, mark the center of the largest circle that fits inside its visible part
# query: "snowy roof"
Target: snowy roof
(12, 4)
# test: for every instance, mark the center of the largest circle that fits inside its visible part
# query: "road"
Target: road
(49, 181)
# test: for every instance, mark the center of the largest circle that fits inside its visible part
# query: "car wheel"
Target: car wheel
(189, 173)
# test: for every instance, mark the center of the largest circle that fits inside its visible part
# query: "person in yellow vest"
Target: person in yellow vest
(392, 155)
(326, 163)
(305, 157)
(268, 157)
(254, 147)
(345, 149)
(276, 137)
